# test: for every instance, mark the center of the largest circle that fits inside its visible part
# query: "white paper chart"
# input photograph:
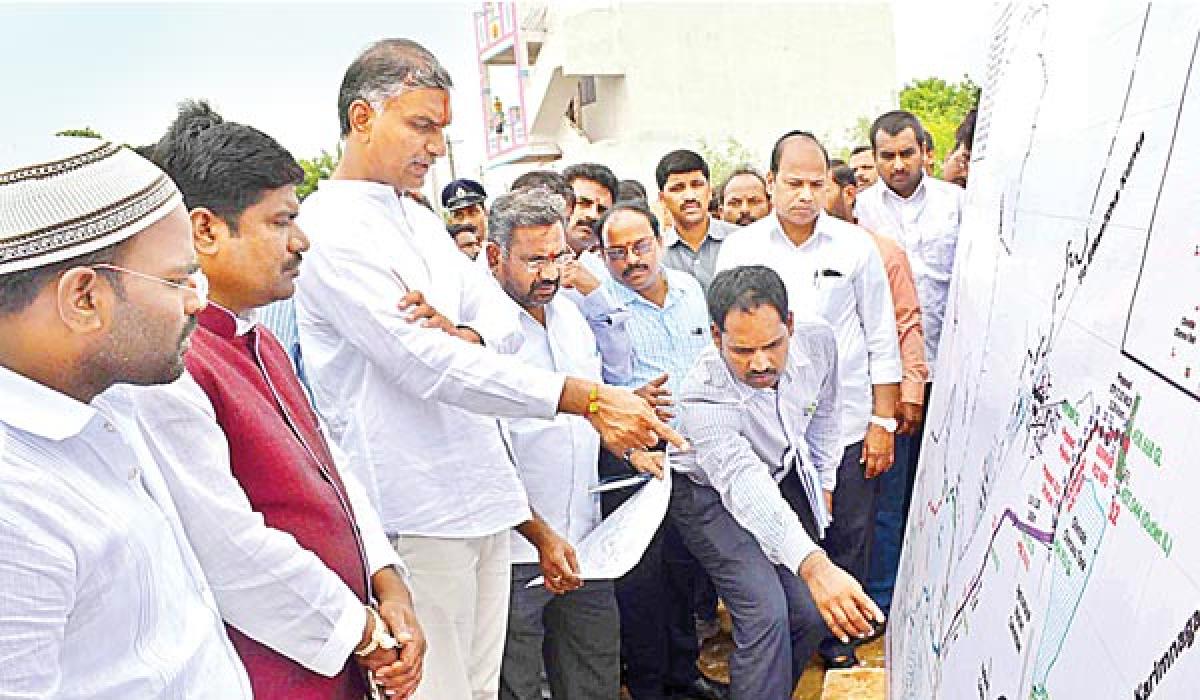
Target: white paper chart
(1053, 547)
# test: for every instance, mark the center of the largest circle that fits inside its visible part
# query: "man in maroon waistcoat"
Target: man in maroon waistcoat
(311, 589)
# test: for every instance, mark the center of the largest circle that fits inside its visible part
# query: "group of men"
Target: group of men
(253, 447)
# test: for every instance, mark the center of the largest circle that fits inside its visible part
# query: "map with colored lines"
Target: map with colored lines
(1053, 547)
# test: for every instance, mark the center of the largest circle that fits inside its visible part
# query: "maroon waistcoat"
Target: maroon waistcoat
(279, 457)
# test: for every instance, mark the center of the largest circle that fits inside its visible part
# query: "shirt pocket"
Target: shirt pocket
(835, 294)
(938, 243)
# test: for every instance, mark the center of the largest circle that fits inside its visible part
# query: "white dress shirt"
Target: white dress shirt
(926, 226)
(745, 440)
(409, 405)
(838, 275)
(556, 459)
(101, 596)
(266, 585)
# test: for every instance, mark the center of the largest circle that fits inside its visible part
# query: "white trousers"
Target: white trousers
(460, 593)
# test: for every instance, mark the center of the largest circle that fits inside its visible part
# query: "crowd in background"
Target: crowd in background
(258, 447)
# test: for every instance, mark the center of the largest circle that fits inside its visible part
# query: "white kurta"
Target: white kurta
(101, 596)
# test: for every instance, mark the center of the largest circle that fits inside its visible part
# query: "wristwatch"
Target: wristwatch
(380, 639)
(888, 424)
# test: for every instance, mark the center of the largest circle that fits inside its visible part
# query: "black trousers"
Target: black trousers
(658, 632)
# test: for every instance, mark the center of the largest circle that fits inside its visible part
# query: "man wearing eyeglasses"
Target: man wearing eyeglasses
(667, 325)
(102, 596)
(572, 624)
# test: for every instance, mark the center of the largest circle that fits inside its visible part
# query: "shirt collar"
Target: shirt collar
(385, 194)
(916, 196)
(716, 230)
(39, 410)
(225, 323)
(820, 229)
(625, 295)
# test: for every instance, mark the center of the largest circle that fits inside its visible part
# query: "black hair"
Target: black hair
(548, 179)
(896, 121)
(836, 163)
(636, 205)
(861, 149)
(741, 170)
(19, 289)
(680, 161)
(777, 151)
(630, 189)
(386, 69)
(965, 134)
(745, 289)
(599, 174)
(927, 140)
(843, 175)
(222, 166)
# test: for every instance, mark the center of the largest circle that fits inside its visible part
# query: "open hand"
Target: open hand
(846, 609)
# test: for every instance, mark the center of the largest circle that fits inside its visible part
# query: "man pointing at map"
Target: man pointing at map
(760, 410)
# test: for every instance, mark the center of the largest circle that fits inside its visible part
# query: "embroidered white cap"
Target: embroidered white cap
(79, 196)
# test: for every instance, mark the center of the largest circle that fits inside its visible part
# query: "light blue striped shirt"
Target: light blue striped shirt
(666, 339)
(744, 440)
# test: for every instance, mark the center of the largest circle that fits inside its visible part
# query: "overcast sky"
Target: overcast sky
(121, 69)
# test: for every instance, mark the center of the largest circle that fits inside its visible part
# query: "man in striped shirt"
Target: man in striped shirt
(760, 408)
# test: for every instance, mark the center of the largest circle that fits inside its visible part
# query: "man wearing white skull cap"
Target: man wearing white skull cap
(102, 595)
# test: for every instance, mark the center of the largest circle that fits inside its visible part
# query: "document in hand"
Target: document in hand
(618, 542)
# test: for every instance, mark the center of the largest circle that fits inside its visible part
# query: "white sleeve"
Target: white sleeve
(486, 308)
(266, 585)
(873, 296)
(375, 541)
(38, 583)
(354, 293)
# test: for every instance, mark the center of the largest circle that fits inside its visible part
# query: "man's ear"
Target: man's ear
(770, 185)
(492, 251)
(209, 231)
(789, 323)
(361, 116)
(81, 299)
(716, 335)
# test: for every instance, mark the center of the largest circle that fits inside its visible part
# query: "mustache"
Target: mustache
(744, 219)
(635, 268)
(293, 264)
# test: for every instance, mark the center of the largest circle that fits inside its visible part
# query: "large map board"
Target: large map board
(1053, 546)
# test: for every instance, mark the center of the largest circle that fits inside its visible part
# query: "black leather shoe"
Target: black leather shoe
(700, 689)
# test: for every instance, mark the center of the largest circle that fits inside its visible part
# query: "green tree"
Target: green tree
(940, 106)
(317, 169)
(86, 132)
(724, 158)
